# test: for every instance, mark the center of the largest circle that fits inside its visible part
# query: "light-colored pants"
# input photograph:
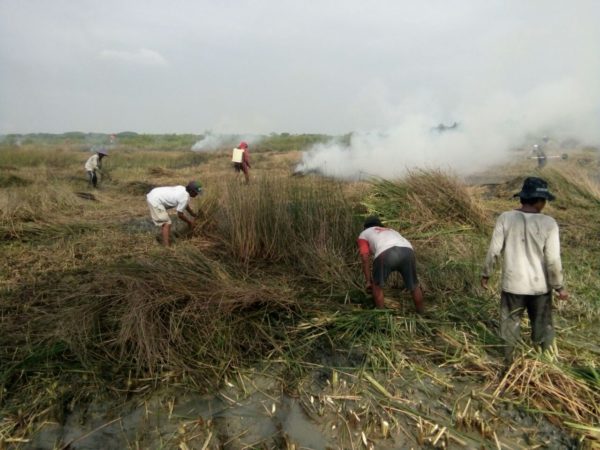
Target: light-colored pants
(159, 215)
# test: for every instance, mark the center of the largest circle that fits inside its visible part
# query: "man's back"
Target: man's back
(381, 238)
(92, 163)
(169, 197)
(531, 246)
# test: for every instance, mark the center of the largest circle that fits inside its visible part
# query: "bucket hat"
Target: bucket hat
(534, 187)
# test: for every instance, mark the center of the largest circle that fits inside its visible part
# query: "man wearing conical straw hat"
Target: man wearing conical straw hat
(391, 252)
(94, 164)
(531, 268)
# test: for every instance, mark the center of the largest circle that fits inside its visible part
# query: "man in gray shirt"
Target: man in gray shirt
(531, 266)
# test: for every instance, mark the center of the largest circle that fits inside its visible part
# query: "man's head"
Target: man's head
(193, 188)
(102, 153)
(372, 221)
(535, 192)
(243, 145)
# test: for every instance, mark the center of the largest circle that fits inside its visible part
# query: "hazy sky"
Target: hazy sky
(297, 66)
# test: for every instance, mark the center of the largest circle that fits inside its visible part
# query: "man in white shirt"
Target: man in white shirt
(93, 164)
(531, 267)
(391, 252)
(161, 199)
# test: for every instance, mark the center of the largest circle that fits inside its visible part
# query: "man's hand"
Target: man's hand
(484, 282)
(562, 294)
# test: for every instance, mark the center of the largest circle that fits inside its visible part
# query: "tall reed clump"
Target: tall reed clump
(426, 203)
(309, 224)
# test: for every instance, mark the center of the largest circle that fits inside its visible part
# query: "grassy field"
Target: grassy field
(269, 283)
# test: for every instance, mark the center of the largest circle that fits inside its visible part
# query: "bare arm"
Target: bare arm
(366, 268)
(185, 218)
(190, 212)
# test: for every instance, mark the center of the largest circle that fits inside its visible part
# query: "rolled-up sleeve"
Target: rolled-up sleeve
(495, 249)
(552, 258)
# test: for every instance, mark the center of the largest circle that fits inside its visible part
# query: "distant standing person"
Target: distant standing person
(161, 199)
(540, 155)
(391, 252)
(241, 160)
(93, 164)
(531, 267)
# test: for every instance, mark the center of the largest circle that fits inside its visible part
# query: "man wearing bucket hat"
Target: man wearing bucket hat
(531, 269)
(93, 164)
(391, 252)
(161, 199)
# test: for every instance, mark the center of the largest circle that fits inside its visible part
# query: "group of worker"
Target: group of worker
(527, 239)
(161, 199)
(240, 160)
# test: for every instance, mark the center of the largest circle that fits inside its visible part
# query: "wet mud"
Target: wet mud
(331, 411)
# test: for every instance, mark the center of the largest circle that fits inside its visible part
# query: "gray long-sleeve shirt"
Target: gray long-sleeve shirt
(531, 246)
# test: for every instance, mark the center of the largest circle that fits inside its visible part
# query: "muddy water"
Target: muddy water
(345, 411)
(257, 416)
(217, 421)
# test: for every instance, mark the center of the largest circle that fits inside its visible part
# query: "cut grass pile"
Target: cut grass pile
(271, 277)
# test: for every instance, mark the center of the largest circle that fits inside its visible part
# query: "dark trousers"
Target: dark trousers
(539, 310)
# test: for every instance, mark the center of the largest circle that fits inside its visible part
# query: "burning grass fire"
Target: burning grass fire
(254, 330)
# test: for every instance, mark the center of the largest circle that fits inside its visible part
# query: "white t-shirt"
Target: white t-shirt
(169, 197)
(381, 238)
(531, 247)
(92, 163)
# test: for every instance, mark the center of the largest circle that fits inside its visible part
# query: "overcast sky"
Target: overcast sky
(294, 66)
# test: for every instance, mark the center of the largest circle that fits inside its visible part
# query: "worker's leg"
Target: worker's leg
(166, 234)
(407, 266)
(378, 297)
(381, 271)
(246, 171)
(511, 310)
(539, 309)
(417, 295)
(161, 218)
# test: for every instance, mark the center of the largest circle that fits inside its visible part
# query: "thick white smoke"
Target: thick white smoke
(488, 129)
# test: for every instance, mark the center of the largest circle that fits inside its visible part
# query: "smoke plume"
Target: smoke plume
(481, 132)
(212, 142)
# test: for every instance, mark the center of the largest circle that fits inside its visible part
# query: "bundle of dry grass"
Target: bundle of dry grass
(177, 311)
(543, 386)
(38, 202)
